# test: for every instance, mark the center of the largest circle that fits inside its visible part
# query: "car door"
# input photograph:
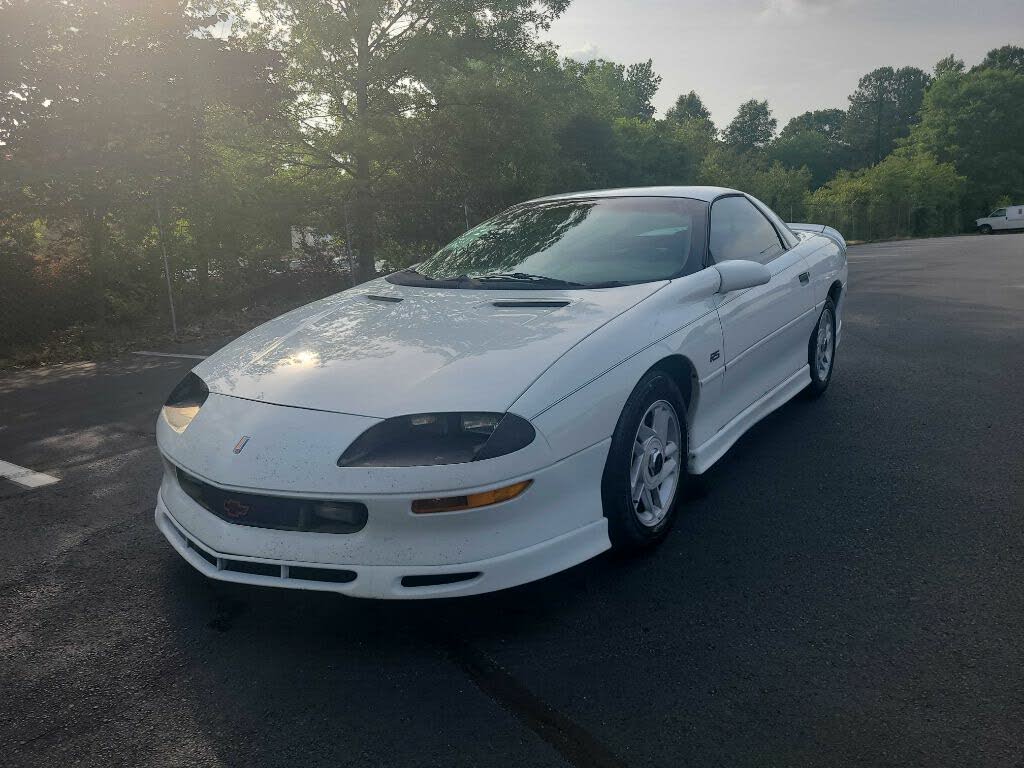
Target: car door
(765, 329)
(997, 220)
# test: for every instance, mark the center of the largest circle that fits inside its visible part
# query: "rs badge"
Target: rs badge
(240, 445)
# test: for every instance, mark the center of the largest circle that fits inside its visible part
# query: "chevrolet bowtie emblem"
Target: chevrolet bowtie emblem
(241, 443)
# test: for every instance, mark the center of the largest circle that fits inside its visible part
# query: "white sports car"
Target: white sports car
(531, 395)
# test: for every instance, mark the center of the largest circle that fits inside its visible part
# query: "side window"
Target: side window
(740, 231)
(998, 214)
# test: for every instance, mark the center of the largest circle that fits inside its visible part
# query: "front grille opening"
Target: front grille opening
(438, 579)
(202, 553)
(257, 569)
(275, 512)
(333, 575)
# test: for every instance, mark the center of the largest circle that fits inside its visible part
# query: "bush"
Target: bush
(907, 194)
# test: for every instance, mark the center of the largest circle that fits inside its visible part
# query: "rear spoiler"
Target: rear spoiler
(821, 229)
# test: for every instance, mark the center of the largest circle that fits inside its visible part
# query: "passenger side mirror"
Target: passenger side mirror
(738, 275)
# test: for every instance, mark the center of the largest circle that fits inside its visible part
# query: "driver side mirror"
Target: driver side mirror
(738, 275)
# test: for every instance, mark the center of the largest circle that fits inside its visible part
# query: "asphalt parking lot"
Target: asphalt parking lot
(847, 588)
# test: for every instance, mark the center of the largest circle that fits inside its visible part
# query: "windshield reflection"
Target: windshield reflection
(587, 242)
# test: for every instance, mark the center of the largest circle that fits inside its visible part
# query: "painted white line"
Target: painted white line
(170, 354)
(26, 478)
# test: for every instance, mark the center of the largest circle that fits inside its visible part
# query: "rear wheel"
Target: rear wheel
(985, 229)
(821, 350)
(646, 464)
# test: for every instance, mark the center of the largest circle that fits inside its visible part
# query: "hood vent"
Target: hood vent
(528, 304)
(378, 297)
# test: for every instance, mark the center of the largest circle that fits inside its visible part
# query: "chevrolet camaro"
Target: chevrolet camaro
(533, 394)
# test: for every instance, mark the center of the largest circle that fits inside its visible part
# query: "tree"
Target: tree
(814, 140)
(622, 91)
(752, 128)
(91, 132)
(113, 99)
(654, 153)
(908, 192)
(1008, 57)
(523, 104)
(782, 189)
(975, 121)
(883, 109)
(360, 67)
(948, 65)
(688, 107)
(811, 150)
(827, 122)
(690, 114)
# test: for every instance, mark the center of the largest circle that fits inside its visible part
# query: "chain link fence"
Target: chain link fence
(58, 303)
(58, 306)
(885, 221)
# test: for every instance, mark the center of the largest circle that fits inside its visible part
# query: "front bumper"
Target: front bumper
(386, 581)
(556, 524)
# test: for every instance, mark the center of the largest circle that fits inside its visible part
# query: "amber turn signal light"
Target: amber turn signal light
(472, 501)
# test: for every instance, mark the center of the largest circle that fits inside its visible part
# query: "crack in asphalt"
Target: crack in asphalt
(574, 743)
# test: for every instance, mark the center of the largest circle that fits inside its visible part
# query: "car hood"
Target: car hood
(382, 350)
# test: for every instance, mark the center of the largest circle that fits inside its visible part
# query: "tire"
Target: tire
(643, 445)
(985, 229)
(821, 350)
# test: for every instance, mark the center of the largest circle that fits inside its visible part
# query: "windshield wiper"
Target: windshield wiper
(523, 277)
(411, 271)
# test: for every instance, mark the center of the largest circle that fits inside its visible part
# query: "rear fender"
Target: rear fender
(821, 229)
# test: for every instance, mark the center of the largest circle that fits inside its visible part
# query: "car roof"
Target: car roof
(707, 194)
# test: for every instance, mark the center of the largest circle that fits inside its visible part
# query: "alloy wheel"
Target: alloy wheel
(654, 464)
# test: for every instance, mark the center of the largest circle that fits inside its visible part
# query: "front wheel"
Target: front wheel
(821, 350)
(985, 229)
(646, 464)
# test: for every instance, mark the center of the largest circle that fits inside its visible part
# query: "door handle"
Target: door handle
(805, 278)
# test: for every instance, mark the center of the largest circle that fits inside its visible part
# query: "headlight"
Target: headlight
(425, 439)
(184, 402)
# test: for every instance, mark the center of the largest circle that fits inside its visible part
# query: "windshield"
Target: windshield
(573, 243)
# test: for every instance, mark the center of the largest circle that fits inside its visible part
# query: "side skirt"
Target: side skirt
(704, 456)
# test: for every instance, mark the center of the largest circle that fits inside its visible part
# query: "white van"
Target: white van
(1004, 218)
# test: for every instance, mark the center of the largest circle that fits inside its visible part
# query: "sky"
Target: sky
(797, 54)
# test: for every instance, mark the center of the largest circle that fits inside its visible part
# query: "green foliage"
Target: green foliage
(811, 150)
(359, 70)
(128, 131)
(1010, 57)
(618, 90)
(815, 141)
(883, 109)
(907, 193)
(948, 65)
(829, 123)
(689, 106)
(975, 121)
(753, 127)
(654, 153)
(782, 189)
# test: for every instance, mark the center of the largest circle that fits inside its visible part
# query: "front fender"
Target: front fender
(577, 401)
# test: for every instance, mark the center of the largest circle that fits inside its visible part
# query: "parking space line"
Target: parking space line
(171, 354)
(26, 478)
